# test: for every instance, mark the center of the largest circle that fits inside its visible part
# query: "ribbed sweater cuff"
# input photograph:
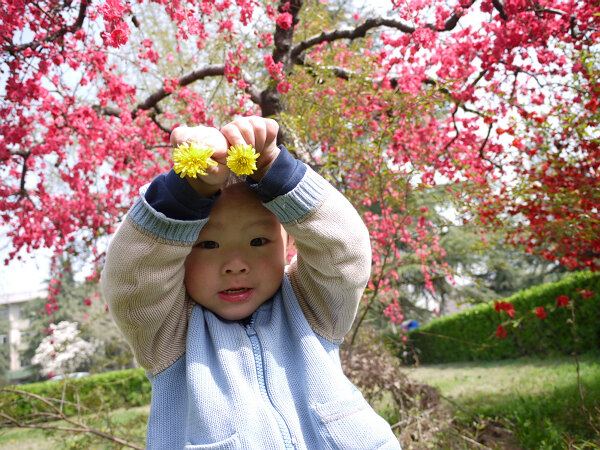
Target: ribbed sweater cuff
(284, 175)
(300, 200)
(183, 231)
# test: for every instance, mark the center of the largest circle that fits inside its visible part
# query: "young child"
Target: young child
(242, 351)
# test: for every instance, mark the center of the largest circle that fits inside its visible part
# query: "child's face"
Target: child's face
(239, 258)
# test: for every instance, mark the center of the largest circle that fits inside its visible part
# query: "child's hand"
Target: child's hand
(259, 132)
(210, 183)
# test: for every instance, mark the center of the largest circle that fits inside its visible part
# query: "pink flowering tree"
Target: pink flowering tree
(495, 101)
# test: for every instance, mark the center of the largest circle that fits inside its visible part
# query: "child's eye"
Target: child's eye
(257, 242)
(208, 245)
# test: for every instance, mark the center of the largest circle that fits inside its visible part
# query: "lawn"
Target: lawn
(128, 424)
(538, 400)
(529, 403)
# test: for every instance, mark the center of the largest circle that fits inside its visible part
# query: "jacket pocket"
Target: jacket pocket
(231, 443)
(351, 424)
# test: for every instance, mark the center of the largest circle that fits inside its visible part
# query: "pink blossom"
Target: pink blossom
(283, 87)
(112, 10)
(170, 84)
(117, 36)
(284, 20)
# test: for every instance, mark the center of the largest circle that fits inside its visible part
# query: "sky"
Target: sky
(28, 275)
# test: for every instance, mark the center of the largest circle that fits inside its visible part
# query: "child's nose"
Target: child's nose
(236, 266)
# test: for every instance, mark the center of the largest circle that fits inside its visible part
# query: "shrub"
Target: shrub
(110, 390)
(470, 335)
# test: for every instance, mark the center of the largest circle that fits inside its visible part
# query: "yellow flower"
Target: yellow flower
(242, 159)
(192, 160)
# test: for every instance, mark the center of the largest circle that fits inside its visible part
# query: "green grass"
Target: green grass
(538, 400)
(128, 424)
(24, 439)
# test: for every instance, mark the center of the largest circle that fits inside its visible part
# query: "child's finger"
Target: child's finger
(259, 132)
(238, 132)
(271, 130)
(201, 135)
(179, 135)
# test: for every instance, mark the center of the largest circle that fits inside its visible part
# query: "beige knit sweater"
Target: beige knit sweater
(143, 276)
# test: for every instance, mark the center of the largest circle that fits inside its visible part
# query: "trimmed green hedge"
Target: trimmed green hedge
(110, 390)
(470, 335)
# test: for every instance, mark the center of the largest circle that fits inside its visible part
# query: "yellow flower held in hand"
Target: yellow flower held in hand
(242, 159)
(192, 160)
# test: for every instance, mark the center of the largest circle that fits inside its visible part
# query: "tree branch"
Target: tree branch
(361, 31)
(77, 427)
(452, 21)
(270, 97)
(160, 125)
(57, 34)
(156, 97)
(349, 33)
(482, 148)
(339, 72)
(499, 6)
(283, 37)
(251, 89)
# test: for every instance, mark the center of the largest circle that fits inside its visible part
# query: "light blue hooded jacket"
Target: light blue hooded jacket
(274, 380)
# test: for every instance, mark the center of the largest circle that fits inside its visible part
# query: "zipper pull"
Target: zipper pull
(248, 324)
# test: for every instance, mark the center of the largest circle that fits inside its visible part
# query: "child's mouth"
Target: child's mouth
(235, 295)
(235, 291)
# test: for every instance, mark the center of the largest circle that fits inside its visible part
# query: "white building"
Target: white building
(15, 325)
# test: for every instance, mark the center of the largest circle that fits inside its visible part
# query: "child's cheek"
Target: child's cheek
(192, 270)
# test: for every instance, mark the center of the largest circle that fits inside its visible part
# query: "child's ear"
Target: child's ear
(290, 248)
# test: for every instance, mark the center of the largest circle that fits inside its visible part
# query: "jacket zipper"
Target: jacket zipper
(288, 439)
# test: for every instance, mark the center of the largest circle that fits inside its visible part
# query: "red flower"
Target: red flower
(87, 302)
(284, 20)
(120, 35)
(500, 332)
(563, 300)
(586, 294)
(117, 34)
(540, 312)
(283, 87)
(505, 306)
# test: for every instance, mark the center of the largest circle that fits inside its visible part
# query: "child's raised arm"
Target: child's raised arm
(143, 277)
